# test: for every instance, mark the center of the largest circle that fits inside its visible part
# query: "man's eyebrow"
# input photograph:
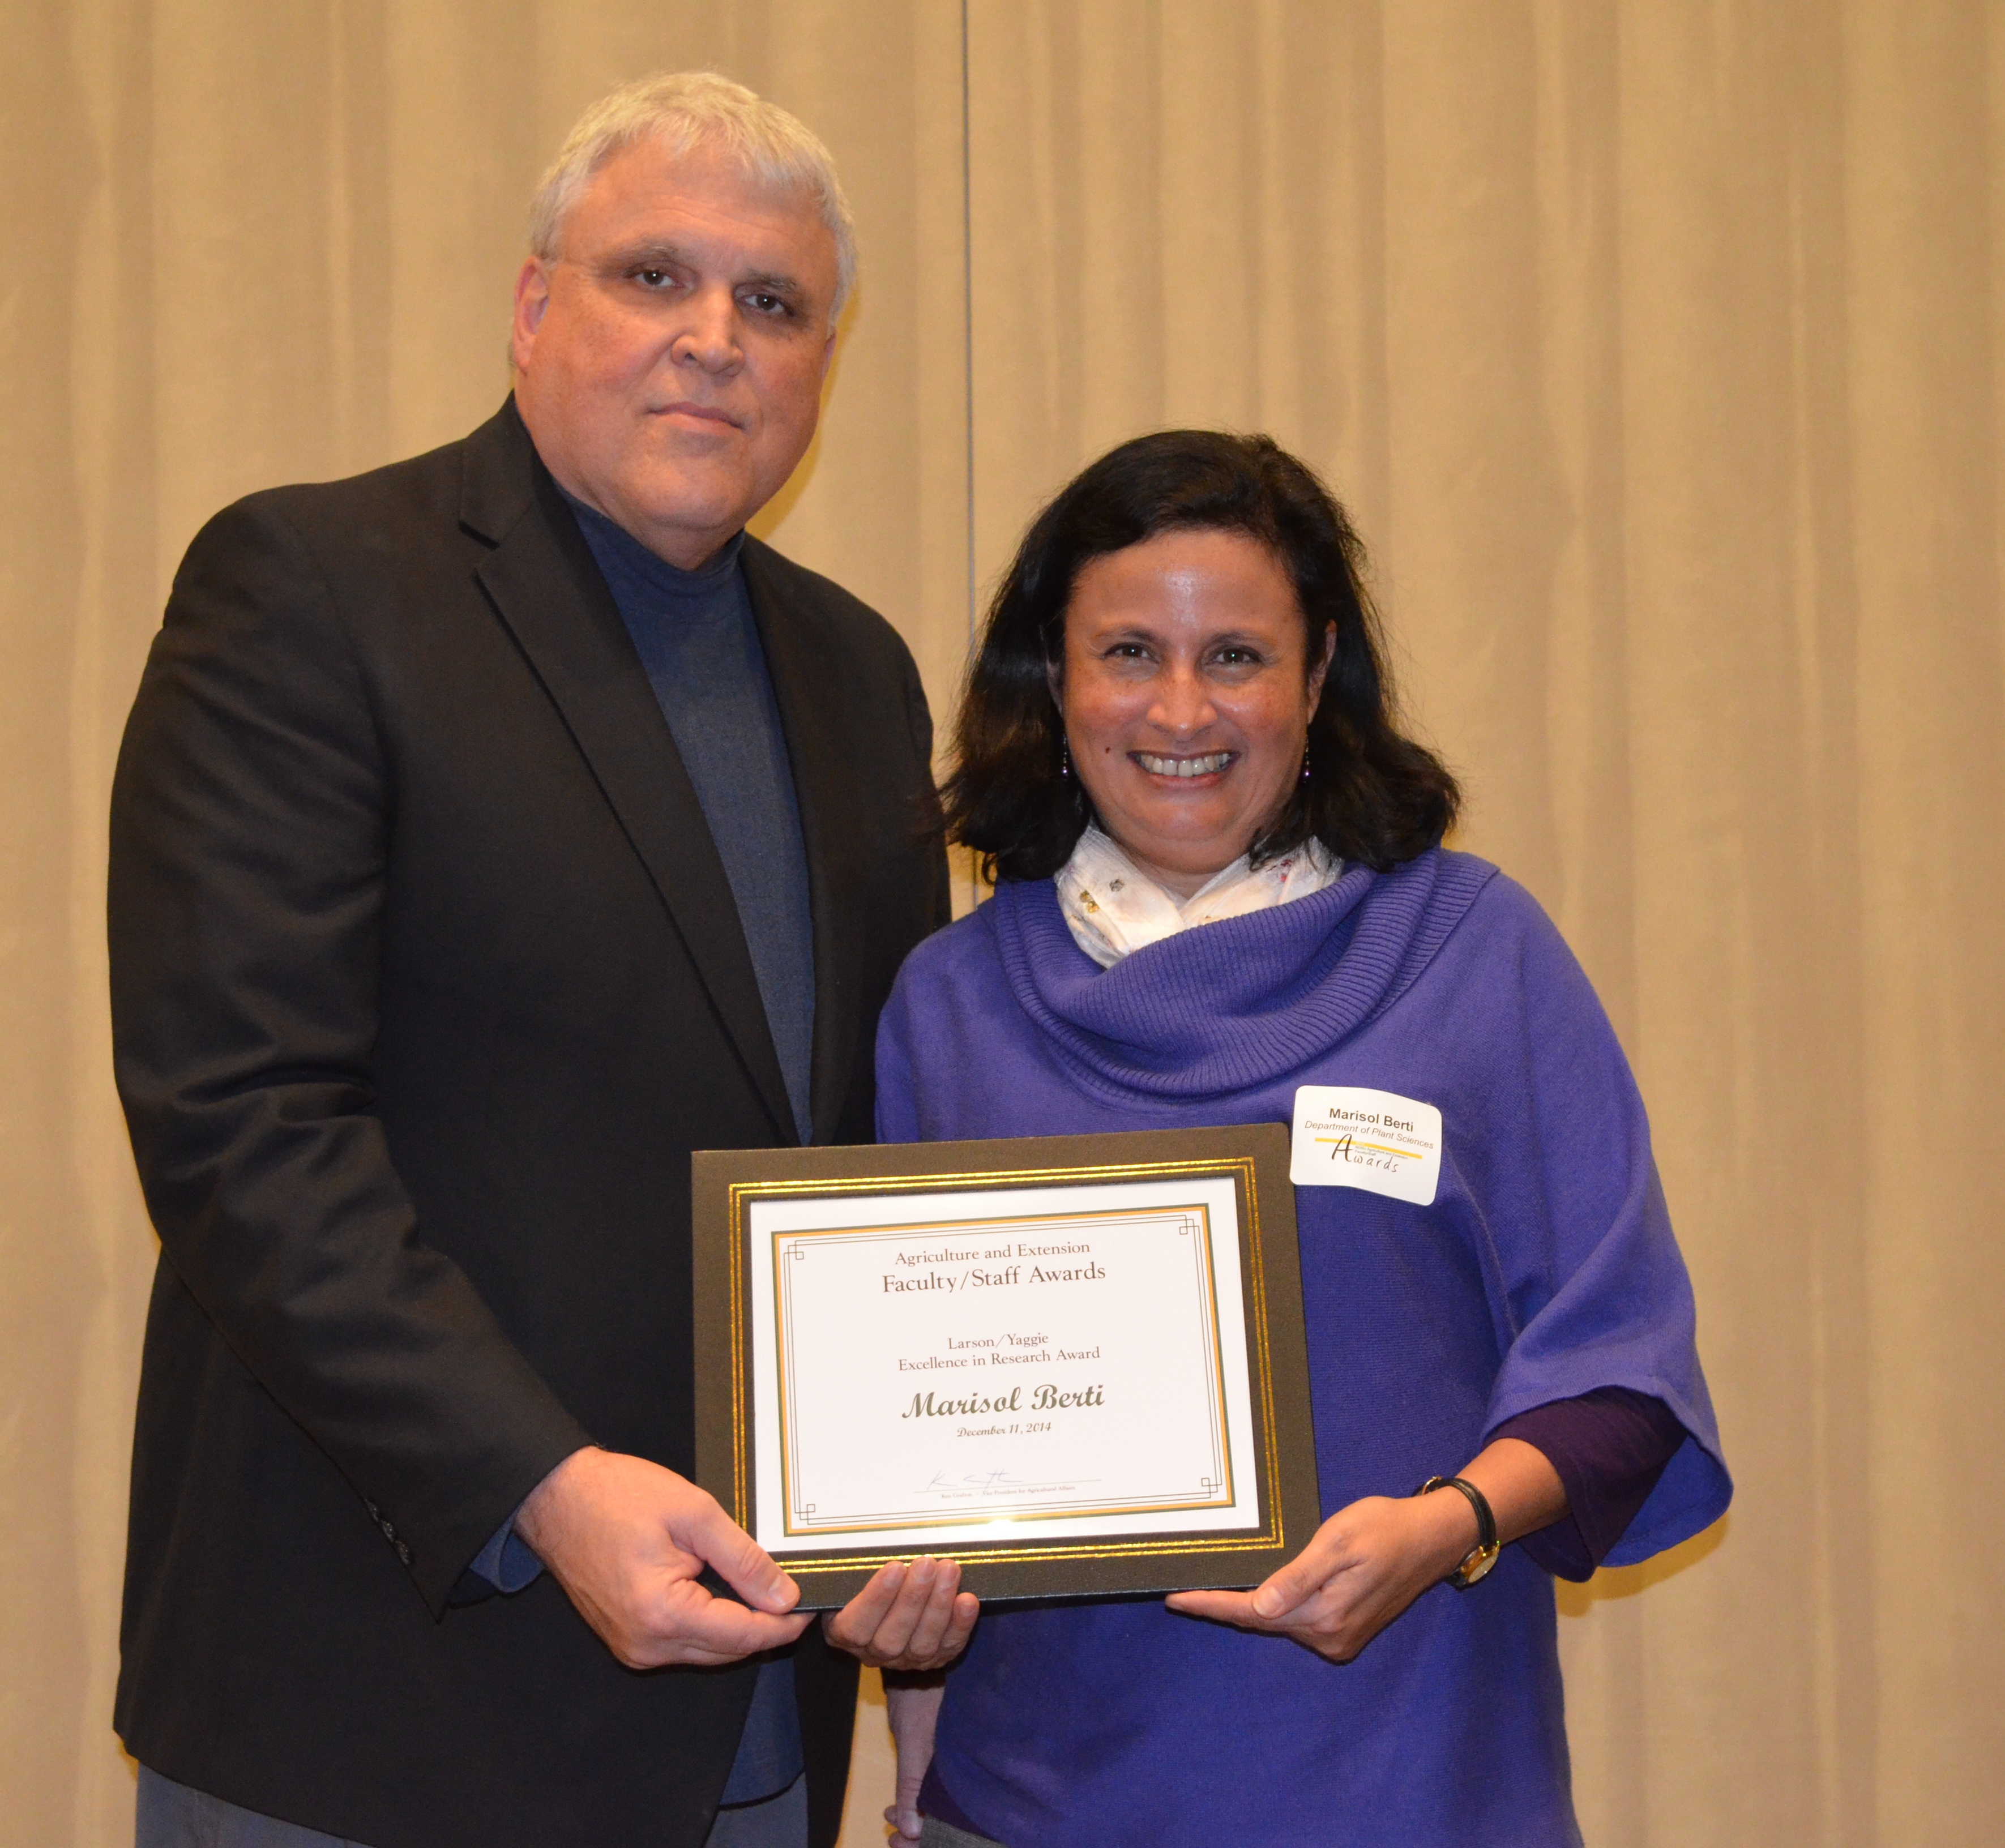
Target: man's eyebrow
(649, 252)
(775, 282)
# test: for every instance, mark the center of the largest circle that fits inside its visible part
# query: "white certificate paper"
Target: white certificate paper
(939, 1368)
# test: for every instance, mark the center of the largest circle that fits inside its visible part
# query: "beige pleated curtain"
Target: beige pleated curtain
(1656, 348)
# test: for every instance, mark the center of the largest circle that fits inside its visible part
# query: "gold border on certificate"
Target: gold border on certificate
(1192, 1220)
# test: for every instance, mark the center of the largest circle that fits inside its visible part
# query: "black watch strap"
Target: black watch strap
(1476, 1564)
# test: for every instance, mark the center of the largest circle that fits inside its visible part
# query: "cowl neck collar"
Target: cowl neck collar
(1238, 1003)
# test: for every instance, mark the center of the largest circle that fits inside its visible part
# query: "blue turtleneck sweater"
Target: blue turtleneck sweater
(697, 638)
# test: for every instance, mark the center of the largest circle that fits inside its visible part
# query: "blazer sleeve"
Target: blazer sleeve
(251, 820)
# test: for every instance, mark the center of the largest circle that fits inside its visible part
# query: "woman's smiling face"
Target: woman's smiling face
(1186, 697)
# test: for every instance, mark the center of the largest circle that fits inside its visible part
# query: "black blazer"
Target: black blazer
(426, 980)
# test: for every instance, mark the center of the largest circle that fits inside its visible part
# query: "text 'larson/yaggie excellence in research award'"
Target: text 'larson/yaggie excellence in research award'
(1074, 1363)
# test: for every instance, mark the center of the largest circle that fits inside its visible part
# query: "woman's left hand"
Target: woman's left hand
(909, 1616)
(1365, 1564)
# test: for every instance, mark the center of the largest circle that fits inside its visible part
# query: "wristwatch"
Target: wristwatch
(1477, 1562)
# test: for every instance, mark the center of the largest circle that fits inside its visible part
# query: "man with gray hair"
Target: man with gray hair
(490, 831)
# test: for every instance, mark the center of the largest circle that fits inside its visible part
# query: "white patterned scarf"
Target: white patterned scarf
(1113, 908)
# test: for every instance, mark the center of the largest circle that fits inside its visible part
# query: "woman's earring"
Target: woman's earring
(1305, 763)
(1065, 757)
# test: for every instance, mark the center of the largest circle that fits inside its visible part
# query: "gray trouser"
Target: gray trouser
(172, 1816)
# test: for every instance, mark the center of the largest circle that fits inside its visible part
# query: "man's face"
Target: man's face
(669, 362)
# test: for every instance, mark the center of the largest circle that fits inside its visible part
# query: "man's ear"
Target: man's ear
(532, 297)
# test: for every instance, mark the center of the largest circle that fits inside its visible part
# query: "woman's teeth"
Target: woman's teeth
(1183, 766)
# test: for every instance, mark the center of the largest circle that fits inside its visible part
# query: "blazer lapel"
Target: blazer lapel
(797, 658)
(542, 579)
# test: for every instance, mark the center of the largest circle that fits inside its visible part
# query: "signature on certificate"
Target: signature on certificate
(994, 1482)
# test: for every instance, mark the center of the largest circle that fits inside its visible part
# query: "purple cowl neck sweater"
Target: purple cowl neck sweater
(1545, 1269)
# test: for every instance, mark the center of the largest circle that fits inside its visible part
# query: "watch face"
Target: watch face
(1478, 1564)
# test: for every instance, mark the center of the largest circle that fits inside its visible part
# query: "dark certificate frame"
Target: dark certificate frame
(1254, 1157)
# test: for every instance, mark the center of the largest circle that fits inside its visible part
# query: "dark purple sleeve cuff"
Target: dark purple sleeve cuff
(1610, 1446)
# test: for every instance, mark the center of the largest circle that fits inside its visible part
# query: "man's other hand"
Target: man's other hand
(626, 1540)
(908, 1616)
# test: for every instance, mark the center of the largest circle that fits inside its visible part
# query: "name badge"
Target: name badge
(1346, 1135)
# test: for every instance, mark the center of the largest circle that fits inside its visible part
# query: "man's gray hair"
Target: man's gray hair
(698, 109)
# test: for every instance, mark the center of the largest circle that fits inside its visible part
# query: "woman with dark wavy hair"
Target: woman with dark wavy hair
(1368, 793)
(1222, 898)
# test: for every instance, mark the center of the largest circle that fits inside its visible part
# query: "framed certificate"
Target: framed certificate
(1074, 1363)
